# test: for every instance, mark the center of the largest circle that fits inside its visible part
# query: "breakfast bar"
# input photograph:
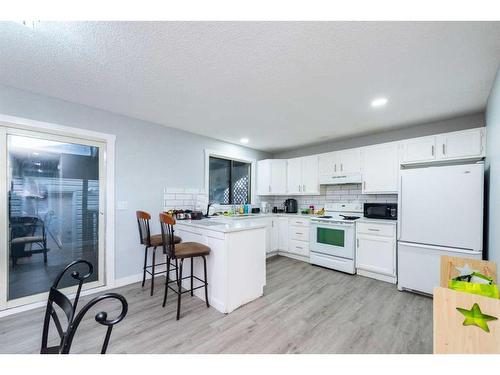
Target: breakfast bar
(237, 262)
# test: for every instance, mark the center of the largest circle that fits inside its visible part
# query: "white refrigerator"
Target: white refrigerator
(440, 213)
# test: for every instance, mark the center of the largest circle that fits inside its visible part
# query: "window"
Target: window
(229, 181)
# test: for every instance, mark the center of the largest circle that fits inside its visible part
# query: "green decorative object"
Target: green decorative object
(485, 290)
(474, 317)
(469, 284)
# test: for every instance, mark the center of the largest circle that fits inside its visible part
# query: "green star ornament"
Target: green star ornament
(474, 317)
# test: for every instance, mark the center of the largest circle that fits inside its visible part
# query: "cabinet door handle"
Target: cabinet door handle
(341, 167)
(335, 167)
(298, 233)
(300, 188)
(444, 149)
(364, 185)
(303, 187)
(432, 150)
(298, 247)
(357, 242)
(374, 230)
(269, 188)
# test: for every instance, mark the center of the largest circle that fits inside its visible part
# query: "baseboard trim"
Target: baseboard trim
(377, 276)
(293, 256)
(102, 289)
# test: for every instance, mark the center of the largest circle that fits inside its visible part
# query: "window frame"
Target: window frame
(234, 157)
(231, 182)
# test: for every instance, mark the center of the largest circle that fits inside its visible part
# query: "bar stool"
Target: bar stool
(180, 252)
(150, 241)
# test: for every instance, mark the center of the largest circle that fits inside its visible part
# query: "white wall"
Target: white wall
(149, 157)
(493, 170)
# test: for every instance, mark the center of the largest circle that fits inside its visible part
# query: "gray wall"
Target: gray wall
(493, 171)
(475, 120)
(148, 158)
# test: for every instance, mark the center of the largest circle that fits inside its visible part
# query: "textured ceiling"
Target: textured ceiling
(281, 84)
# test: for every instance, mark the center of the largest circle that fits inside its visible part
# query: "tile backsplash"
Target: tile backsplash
(197, 199)
(333, 194)
(184, 199)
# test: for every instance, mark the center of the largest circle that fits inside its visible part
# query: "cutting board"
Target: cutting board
(451, 336)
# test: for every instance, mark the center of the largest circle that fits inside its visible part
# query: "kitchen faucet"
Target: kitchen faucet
(208, 208)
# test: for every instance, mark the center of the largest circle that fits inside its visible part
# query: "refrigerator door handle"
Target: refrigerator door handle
(440, 248)
(400, 200)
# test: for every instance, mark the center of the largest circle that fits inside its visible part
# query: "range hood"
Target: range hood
(339, 180)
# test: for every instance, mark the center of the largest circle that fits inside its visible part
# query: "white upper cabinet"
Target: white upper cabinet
(264, 177)
(326, 167)
(278, 176)
(339, 163)
(461, 145)
(465, 144)
(379, 164)
(380, 169)
(310, 183)
(271, 177)
(302, 175)
(349, 161)
(294, 176)
(418, 150)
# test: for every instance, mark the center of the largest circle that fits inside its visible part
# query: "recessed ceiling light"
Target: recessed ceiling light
(244, 140)
(379, 102)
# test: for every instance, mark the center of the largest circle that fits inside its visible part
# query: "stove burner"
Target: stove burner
(350, 217)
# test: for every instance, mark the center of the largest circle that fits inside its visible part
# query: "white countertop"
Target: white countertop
(227, 224)
(223, 225)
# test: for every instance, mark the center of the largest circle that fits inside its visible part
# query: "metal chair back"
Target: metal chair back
(58, 298)
(167, 223)
(143, 219)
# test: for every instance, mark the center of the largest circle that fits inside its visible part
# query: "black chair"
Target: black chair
(101, 318)
(23, 231)
(55, 296)
(69, 308)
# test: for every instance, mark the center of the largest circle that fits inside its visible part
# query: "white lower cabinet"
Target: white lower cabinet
(299, 247)
(298, 236)
(272, 236)
(283, 233)
(376, 250)
(293, 237)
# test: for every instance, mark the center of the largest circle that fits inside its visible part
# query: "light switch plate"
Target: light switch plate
(122, 205)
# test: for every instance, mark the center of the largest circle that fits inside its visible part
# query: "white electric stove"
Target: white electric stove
(333, 237)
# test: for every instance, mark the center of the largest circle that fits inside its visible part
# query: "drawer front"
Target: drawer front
(299, 222)
(386, 230)
(298, 247)
(299, 233)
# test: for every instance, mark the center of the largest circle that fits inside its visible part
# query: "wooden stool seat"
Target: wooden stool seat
(178, 253)
(157, 240)
(191, 249)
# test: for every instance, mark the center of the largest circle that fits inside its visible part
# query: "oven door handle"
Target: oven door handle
(332, 226)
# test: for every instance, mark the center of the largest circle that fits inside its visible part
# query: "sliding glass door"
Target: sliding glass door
(53, 196)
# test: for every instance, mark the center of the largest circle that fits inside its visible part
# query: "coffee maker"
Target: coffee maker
(291, 206)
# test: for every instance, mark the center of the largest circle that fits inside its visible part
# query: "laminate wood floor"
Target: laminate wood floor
(305, 309)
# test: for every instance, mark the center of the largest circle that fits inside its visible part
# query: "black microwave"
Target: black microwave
(388, 211)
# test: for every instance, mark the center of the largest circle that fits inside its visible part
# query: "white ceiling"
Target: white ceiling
(281, 84)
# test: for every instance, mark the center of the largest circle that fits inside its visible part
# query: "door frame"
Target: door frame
(52, 129)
